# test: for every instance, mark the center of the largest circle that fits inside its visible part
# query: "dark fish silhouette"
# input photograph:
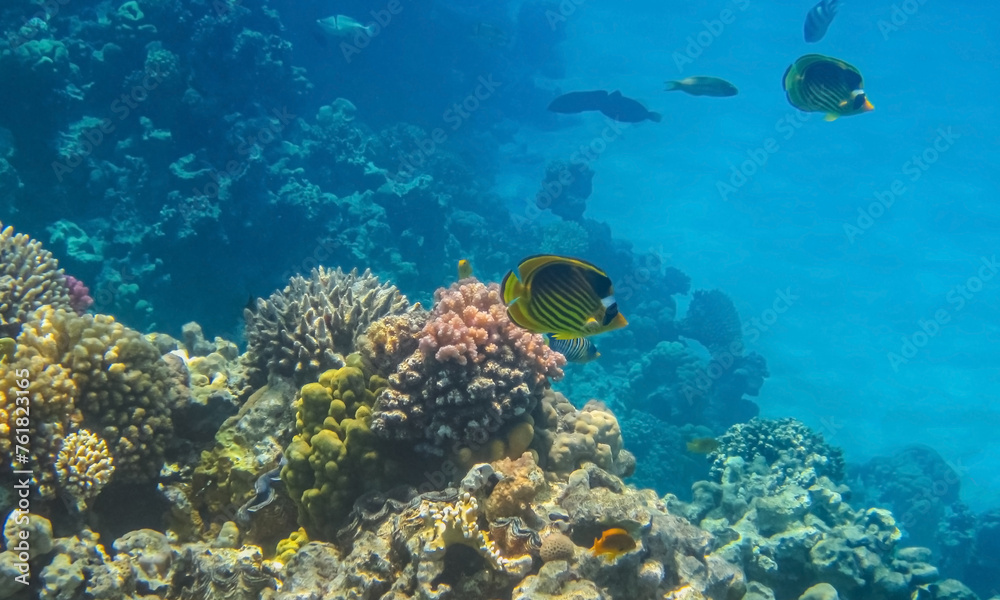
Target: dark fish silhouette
(578, 102)
(613, 105)
(819, 18)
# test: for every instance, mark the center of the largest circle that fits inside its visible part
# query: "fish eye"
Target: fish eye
(859, 101)
(610, 313)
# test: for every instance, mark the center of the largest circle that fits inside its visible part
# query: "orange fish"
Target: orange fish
(613, 543)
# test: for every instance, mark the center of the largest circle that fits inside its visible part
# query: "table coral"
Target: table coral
(300, 331)
(30, 278)
(473, 372)
(83, 467)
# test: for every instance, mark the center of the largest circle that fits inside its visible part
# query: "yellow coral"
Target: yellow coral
(333, 459)
(84, 466)
(458, 523)
(289, 546)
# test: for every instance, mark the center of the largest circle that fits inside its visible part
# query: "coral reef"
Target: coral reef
(83, 467)
(777, 510)
(79, 295)
(298, 332)
(565, 190)
(90, 371)
(30, 278)
(473, 372)
(712, 320)
(334, 457)
(568, 438)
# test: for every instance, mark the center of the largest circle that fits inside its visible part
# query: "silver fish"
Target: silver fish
(343, 26)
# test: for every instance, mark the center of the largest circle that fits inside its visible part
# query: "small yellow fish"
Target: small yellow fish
(613, 543)
(705, 445)
(567, 297)
(464, 269)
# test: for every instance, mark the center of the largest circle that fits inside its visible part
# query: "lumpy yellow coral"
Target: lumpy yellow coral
(289, 546)
(334, 458)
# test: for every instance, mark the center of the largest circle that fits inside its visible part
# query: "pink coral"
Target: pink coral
(469, 323)
(473, 372)
(79, 295)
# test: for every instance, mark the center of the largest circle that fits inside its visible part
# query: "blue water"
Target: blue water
(779, 209)
(859, 291)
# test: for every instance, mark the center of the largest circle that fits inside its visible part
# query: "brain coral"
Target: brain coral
(299, 332)
(30, 277)
(473, 372)
(94, 372)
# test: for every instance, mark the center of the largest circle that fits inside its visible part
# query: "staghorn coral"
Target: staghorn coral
(93, 372)
(473, 372)
(300, 331)
(83, 467)
(568, 438)
(30, 278)
(712, 320)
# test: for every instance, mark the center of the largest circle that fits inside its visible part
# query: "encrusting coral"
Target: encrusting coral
(83, 467)
(30, 278)
(301, 331)
(472, 373)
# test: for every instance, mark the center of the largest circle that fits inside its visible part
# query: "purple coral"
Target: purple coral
(79, 295)
(473, 372)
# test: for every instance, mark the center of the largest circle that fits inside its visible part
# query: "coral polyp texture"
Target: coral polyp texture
(472, 373)
(301, 331)
(30, 278)
(764, 441)
(713, 321)
(569, 438)
(83, 467)
(89, 371)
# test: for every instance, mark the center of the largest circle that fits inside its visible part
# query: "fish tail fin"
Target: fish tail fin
(655, 117)
(830, 117)
(672, 85)
(511, 287)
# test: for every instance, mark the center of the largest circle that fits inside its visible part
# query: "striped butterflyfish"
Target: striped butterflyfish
(818, 20)
(567, 297)
(817, 83)
(576, 350)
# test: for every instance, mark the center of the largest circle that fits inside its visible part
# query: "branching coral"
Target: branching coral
(83, 467)
(299, 332)
(30, 278)
(473, 372)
